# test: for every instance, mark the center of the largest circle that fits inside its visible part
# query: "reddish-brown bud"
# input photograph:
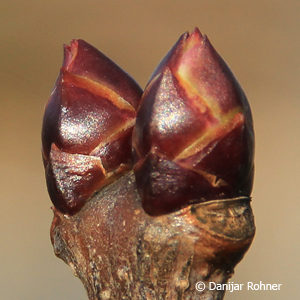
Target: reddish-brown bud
(193, 137)
(87, 126)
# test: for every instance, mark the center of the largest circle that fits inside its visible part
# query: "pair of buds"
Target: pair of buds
(188, 137)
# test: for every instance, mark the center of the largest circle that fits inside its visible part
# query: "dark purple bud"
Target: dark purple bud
(87, 126)
(193, 138)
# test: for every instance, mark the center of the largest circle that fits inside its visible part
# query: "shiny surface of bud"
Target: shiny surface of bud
(193, 140)
(87, 126)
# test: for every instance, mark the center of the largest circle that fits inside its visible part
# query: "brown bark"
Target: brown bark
(120, 252)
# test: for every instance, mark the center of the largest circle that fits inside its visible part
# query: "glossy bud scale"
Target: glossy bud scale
(87, 126)
(193, 139)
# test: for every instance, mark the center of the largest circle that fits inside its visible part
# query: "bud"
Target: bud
(193, 139)
(87, 126)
